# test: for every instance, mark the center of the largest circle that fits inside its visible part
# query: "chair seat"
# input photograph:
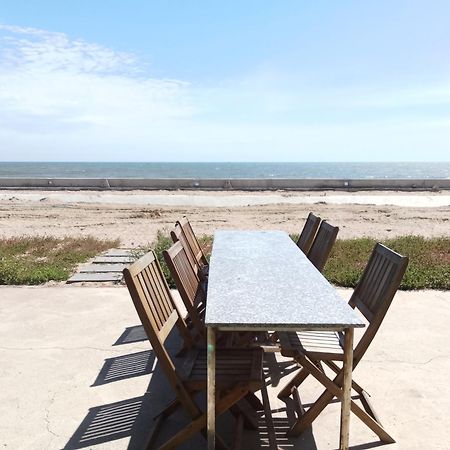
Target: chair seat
(233, 366)
(317, 345)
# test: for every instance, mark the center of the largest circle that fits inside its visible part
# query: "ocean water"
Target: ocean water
(328, 170)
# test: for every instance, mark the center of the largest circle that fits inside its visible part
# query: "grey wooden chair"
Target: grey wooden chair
(238, 371)
(308, 233)
(322, 245)
(372, 297)
(194, 245)
(189, 286)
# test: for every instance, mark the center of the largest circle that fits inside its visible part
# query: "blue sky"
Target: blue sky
(225, 81)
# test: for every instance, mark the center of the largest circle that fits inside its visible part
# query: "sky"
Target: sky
(209, 80)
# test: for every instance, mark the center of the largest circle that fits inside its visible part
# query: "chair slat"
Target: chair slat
(159, 291)
(177, 234)
(146, 276)
(188, 284)
(308, 233)
(193, 242)
(322, 245)
(146, 294)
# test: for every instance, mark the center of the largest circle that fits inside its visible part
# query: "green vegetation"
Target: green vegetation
(429, 260)
(38, 259)
(428, 268)
(35, 260)
(163, 242)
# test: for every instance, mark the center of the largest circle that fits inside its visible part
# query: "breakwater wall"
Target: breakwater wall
(241, 184)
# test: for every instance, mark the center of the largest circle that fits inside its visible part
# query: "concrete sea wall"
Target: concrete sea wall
(241, 184)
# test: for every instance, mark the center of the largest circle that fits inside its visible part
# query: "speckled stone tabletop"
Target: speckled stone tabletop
(261, 280)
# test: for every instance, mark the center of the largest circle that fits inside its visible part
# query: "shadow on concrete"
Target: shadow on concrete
(134, 418)
(131, 418)
(131, 335)
(107, 423)
(275, 370)
(126, 366)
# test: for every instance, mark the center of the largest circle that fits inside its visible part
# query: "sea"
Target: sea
(227, 170)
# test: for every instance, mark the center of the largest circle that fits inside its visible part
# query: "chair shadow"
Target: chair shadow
(281, 426)
(134, 418)
(107, 423)
(126, 366)
(132, 334)
(275, 370)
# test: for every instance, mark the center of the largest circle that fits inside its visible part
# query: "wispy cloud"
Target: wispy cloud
(63, 83)
(96, 103)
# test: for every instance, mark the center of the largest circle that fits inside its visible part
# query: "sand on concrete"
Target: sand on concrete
(135, 216)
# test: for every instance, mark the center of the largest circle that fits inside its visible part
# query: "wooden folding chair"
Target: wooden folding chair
(372, 297)
(189, 286)
(308, 233)
(238, 371)
(178, 235)
(192, 241)
(322, 245)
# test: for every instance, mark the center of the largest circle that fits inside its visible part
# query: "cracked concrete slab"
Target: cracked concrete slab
(67, 372)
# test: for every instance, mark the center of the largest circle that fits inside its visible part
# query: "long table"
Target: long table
(260, 280)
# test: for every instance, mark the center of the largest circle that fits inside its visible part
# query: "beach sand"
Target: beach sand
(135, 216)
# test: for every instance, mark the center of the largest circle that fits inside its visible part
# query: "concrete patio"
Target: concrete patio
(77, 372)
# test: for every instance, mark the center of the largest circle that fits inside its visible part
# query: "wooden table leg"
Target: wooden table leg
(346, 389)
(211, 408)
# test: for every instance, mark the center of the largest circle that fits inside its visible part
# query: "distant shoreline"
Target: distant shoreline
(224, 198)
(226, 184)
(136, 216)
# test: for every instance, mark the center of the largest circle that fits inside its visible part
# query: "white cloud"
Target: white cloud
(67, 99)
(61, 83)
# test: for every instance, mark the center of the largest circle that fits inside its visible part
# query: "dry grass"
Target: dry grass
(38, 259)
(429, 259)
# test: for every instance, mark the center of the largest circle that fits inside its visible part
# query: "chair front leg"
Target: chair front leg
(197, 425)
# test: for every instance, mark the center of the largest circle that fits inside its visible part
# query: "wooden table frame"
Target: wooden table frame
(346, 388)
(348, 331)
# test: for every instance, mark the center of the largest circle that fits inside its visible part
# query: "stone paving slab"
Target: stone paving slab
(113, 259)
(93, 277)
(103, 268)
(118, 252)
(108, 266)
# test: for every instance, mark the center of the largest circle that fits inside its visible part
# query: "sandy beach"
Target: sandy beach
(135, 216)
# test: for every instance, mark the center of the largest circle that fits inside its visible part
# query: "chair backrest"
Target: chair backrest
(192, 241)
(322, 245)
(158, 314)
(188, 284)
(178, 235)
(308, 233)
(375, 290)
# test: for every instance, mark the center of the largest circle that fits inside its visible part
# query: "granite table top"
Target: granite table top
(261, 280)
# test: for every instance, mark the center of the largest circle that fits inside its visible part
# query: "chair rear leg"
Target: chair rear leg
(333, 389)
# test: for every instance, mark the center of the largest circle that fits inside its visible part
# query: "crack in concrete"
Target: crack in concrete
(47, 414)
(414, 363)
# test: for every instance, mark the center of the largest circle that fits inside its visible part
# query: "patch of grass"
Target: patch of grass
(163, 242)
(428, 268)
(29, 260)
